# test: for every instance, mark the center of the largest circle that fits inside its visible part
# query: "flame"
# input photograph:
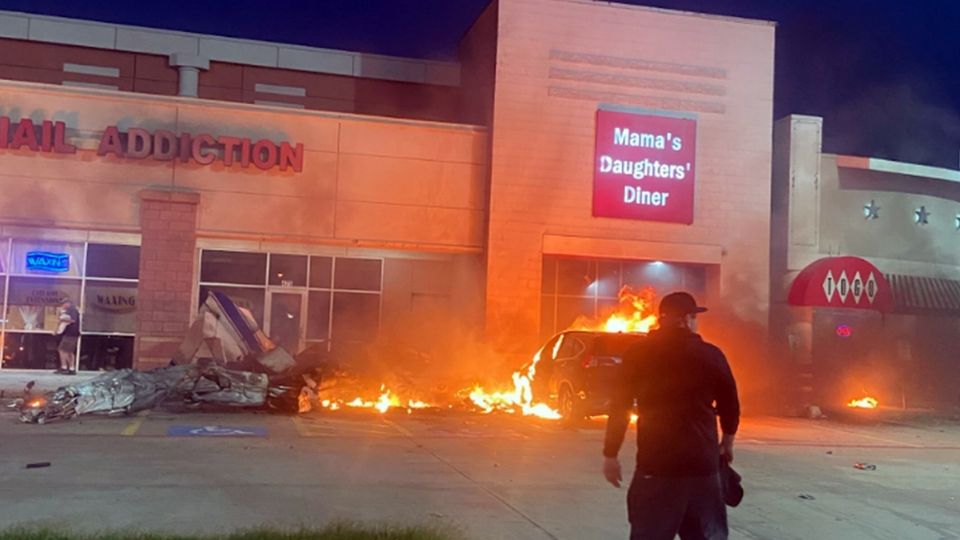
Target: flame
(385, 401)
(634, 313)
(864, 403)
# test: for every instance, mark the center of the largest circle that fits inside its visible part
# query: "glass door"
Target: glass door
(285, 318)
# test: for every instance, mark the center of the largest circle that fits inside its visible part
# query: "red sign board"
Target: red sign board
(644, 166)
(849, 282)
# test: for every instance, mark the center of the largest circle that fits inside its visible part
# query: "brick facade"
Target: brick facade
(167, 260)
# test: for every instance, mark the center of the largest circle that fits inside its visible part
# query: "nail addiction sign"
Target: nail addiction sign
(645, 166)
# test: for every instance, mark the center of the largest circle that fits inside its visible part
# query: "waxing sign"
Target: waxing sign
(44, 261)
(644, 166)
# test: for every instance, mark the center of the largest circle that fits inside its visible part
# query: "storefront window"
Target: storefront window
(321, 272)
(342, 294)
(573, 287)
(113, 261)
(358, 274)
(318, 316)
(249, 298)
(288, 270)
(44, 258)
(102, 353)
(100, 278)
(233, 267)
(356, 316)
(33, 304)
(110, 307)
(30, 351)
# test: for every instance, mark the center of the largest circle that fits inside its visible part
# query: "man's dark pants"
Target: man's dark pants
(660, 507)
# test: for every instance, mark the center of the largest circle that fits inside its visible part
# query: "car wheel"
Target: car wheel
(567, 404)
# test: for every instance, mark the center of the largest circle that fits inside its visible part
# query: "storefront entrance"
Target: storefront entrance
(286, 311)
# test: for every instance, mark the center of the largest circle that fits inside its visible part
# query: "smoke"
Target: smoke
(901, 121)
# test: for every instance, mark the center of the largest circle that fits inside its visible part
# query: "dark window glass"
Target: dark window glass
(110, 307)
(547, 307)
(30, 351)
(696, 279)
(570, 348)
(358, 274)
(113, 261)
(318, 316)
(608, 279)
(34, 303)
(571, 309)
(356, 316)
(250, 299)
(233, 267)
(548, 279)
(575, 276)
(100, 353)
(321, 272)
(288, 270)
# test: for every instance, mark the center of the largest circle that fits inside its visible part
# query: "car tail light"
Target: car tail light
(601, 361)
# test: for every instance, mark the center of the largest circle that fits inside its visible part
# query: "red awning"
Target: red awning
(843, 282)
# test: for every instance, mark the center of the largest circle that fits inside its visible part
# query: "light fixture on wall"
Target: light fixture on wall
(957, 222)
(921, 216)
(871, 211)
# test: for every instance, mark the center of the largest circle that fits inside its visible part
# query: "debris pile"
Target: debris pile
(225, 360)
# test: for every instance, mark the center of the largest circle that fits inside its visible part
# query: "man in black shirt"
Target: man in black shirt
(679, 384)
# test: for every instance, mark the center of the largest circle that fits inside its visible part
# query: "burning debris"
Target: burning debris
(863, 403)
(224, 360)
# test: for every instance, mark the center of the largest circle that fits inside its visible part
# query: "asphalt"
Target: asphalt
(494, 477)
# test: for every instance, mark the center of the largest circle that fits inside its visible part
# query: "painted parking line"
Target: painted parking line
(133, 427)
(340, 429)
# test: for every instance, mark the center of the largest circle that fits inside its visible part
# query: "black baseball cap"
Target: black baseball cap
(680, 304)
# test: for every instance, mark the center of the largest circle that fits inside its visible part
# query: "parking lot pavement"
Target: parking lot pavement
(495, 477)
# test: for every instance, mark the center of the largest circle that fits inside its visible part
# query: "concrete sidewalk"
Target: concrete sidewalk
(12, 381)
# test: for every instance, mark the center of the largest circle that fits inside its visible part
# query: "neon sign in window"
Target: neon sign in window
(45, 261)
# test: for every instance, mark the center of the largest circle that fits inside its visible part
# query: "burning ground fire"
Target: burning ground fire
(863, 403)
(634, 313)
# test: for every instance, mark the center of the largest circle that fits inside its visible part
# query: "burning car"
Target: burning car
(577, 371)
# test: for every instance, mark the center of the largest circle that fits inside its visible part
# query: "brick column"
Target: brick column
(168, 221)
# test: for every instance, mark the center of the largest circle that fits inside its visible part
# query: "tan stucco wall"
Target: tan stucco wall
(365, 180)
(543, 148)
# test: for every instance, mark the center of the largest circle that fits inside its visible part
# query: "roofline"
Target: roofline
(897, 167)
(128, 38)
(217, 104)
(668, 11)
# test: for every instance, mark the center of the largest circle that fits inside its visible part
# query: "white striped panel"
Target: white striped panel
(87, 69)
(280, 90)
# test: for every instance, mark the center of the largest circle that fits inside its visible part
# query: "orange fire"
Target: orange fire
(386, 401)
(863, 403)
(634, 313)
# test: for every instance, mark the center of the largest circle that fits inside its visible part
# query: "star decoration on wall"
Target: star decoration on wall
(871, 211)
(921, 216)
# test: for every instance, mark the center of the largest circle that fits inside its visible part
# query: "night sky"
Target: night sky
(884, 74)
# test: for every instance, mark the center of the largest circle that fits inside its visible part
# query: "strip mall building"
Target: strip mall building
(575, 147)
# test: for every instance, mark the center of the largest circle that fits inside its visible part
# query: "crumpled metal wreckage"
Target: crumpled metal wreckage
(225, 360)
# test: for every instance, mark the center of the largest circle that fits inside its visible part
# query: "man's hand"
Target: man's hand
(726, 447)
(611, 471)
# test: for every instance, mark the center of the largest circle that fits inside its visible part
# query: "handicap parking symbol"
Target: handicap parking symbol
(216, 431)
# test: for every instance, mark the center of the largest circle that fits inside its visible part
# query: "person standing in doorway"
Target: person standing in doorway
(69, 332)
(680, 384)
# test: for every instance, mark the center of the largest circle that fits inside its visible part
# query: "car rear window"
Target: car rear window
(615, 345)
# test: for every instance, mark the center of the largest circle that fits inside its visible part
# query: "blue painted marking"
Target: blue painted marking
(216, 431)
